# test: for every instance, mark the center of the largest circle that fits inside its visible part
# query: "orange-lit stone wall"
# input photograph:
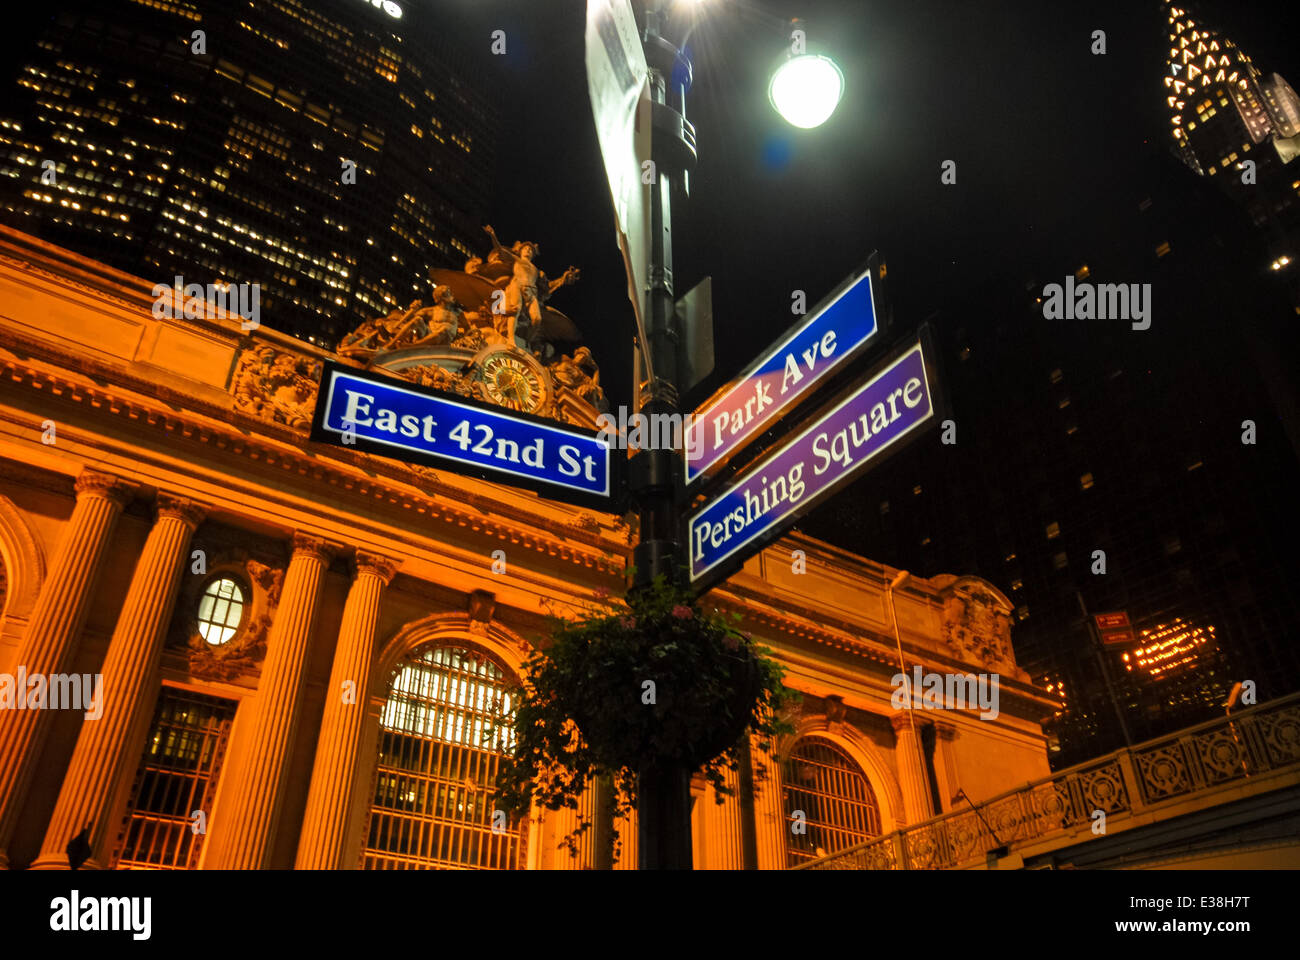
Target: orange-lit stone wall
(353, 559)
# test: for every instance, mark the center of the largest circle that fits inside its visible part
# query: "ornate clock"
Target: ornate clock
(514, 379)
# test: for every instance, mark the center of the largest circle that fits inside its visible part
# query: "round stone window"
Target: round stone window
(221, 610)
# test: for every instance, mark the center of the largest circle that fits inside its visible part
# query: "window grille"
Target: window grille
(837, 802)
(177, 776)
(439, 753)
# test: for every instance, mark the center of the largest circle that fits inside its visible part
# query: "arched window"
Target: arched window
(438, 760)
(826, 791)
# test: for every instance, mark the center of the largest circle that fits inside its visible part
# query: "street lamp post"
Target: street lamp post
(664, 810)
(806, 92)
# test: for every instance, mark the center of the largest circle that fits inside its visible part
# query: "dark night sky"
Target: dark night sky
(1046, 136)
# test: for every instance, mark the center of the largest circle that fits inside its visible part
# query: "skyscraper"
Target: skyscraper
(326, 151)
(1231, 123)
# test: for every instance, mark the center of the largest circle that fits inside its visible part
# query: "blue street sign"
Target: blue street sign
(742, 410)
(852, 435)
(401, 420)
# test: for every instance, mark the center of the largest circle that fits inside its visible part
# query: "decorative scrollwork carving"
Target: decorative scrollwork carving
(276, 385)
(977, 626)
(244, 652)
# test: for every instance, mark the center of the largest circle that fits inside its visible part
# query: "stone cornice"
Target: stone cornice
(282, 447)
(853, 639)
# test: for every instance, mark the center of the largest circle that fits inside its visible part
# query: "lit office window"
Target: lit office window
(439, 752)
(839, 808)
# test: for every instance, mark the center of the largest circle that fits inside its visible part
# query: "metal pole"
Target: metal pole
(1095, 636)
(664, 814)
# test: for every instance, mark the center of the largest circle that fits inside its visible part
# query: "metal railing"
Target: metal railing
(1193, 760)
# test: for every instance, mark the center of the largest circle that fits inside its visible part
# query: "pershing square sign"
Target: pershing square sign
(407, 422)
(839, 444)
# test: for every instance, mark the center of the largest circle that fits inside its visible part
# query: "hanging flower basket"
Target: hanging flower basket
(659, 683)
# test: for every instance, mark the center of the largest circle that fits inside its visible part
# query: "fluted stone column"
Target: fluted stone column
(627, 833)
(945, 734)
(249, 812)
(128, 690)
(723, 830)
(917, 805)
(771, 824)
(49, 642)
(326, 826)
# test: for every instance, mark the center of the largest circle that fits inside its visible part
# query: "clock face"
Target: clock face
(513, 382)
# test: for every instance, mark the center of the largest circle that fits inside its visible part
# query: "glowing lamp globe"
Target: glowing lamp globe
(806, 89)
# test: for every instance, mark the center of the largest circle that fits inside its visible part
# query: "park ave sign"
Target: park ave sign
(833, 334)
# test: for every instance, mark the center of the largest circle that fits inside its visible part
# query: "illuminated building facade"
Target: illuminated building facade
(126, 138)
(1224, 112)
(300, 644)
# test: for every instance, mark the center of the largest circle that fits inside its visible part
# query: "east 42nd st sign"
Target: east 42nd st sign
(398, 419)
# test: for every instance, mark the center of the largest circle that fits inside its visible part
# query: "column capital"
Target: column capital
(91, 483)
(377, 565)
(945, 730)
(308, 545)
(902, 720)
(187, 511)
